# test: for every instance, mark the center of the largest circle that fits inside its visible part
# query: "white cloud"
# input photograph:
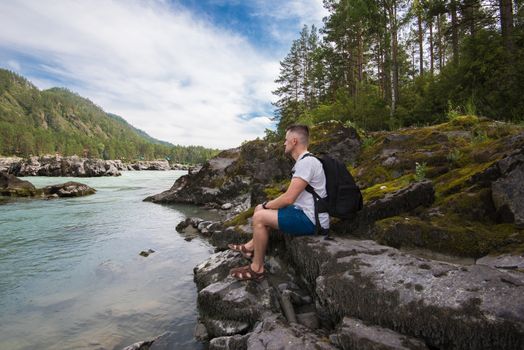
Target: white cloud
(166, 72)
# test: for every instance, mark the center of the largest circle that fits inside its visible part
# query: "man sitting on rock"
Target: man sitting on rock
(292, 212)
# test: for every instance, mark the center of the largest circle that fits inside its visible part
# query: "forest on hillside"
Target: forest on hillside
(385, 64)
(34, 122)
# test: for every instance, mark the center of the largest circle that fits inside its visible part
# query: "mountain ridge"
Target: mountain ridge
(58, 120)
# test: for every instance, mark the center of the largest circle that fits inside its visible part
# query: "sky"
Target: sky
(190, 72)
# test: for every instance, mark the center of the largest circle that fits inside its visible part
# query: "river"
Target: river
(70, 272)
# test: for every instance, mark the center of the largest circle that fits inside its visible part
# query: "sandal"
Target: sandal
(246, 273)
(241, 248)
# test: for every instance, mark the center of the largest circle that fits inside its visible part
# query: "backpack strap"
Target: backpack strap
(319, 204)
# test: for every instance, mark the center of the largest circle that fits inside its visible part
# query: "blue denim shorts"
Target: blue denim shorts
(293, 221)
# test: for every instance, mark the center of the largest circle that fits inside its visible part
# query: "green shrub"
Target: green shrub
(455, 156)
(420, 171)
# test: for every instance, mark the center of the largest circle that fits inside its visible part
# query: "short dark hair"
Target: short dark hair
(301, 130)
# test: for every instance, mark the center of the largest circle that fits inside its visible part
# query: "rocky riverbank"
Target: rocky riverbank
(356, 294)
(75, 166)
(452, 192)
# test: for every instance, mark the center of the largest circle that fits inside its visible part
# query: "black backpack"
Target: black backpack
(343, 199)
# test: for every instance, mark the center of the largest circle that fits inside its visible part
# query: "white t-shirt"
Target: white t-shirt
(310, 170)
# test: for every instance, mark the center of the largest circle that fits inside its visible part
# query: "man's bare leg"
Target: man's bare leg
(263, 220)
(251, 245)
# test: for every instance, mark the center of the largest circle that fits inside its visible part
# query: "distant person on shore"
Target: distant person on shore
(292, 212)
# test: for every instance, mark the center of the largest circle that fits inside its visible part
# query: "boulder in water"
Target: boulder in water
(68, 189)
(12, 186)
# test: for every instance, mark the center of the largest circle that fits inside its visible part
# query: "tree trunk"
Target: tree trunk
(439, 41)
(420, 44)
(360, 63)
(454, 31)
(506, 23)
(394, 57)
(431, 58)
(413, 61)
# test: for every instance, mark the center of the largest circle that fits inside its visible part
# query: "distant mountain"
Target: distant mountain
(60, 121)
(140, 132)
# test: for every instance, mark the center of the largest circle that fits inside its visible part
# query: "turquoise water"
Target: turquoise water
(70, 272)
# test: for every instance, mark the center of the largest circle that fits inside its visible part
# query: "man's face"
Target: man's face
(290, 143)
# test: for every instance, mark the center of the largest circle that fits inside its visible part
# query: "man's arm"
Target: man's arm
(296, 187)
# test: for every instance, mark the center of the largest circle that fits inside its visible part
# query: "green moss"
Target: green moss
(477, 206)
(368, 142)
(457, 178)
(18, 192)
(277, 189)
(381, 189)
(465, 121)
(373, 175)
(241, 219)
(449, 234)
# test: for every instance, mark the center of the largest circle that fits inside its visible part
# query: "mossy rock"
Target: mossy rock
(380, 190)
(367, 177)
(477, 205)
(465, 121)
(448, 234)
(276, 189)
(240, 219)
(18, 192)
(457, 179)
(322, 133)
(11, 186)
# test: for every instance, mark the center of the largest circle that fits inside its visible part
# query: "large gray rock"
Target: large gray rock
(275, 333)
(222, 328)
(232, 300)
(236, 342)
(151, 165)
(504, 261)
(355, 335)
(344, 143)
(69, 189)
(12, 186)
(448, 306)
(508, 196)
(209, 185)
(99, 167)
(216, 268)
(220, 239)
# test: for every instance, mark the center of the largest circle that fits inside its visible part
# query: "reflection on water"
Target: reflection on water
(71, 276)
